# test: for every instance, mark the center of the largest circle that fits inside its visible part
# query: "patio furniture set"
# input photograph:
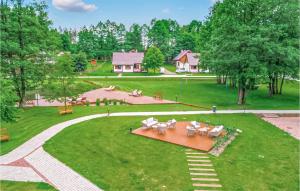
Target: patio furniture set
(191, 129)
(161, 127)
(195, 127)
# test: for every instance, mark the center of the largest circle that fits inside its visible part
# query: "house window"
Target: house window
(118, 67)
(194, 67)
(136, 66)
(127, 67)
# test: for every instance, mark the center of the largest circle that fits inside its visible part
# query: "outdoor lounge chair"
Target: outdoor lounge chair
(195, 124)
(110, 88)
(190, 131)
(138, 93)
(215, 132)
(171, 124)
(133, 93)
(148, 123)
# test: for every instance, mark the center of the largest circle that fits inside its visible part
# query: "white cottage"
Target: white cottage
(186, 61)
(127, 61)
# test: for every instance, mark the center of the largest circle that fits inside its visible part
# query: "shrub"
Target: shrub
(97, 102)
(105, 101)
(87, 103)
(115, 102)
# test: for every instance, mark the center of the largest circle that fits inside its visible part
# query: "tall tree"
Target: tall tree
(8, 100)
(133, 38)
(79, 62)
(26, 41)
(153, 59)
(61, 83)
(162, 34)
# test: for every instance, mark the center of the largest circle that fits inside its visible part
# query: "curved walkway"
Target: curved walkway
(29, 162)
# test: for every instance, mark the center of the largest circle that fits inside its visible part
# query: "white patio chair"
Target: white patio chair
(148, 123)
(190, 131)
(215, 132)
(171, 124)
(195, 124)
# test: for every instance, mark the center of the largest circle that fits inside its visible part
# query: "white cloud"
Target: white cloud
(73, 5)
(166, 11)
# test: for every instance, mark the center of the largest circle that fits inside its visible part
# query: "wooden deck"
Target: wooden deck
(179, 136)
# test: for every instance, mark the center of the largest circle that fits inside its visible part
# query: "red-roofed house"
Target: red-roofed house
(127, 61)
(187, 61)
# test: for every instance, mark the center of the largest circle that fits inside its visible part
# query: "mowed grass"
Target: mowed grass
(24, 186)
(32, 121)
(206, 93)
(262, 158)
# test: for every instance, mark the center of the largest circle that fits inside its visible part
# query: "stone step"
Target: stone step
(192, 164)
(201, 169)
(206, 179)
(202, 174)
(208, 185)
(198, 157)
(196, 153)
(192, 160)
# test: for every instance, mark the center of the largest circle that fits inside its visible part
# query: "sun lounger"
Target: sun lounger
(195, 124)
(148, 123)
(133, 93)
(138, 93)
(215, 132)
(110, 88)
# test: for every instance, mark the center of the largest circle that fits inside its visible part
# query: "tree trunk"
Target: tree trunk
(218, 79)
(276, 84)
(241, 94)
(270, 87)
(65, 103)
(242, 91)
(281, 84)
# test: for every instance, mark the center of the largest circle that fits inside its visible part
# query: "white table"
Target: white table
(203, 131)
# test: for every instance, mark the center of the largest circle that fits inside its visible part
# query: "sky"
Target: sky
(77, 13)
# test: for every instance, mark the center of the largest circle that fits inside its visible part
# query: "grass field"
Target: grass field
(32, 121)
(24, 186)
(207, 93)
(103, 149)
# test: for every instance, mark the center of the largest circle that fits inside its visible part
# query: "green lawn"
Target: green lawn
(32, 121)
(24, 186)
(207, 93)
(170, 67)
(106, 153)
(101, 69)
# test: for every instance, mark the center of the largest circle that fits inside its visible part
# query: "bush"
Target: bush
(105, 101)
(115, 102)
(97, 102)
(87, 103)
